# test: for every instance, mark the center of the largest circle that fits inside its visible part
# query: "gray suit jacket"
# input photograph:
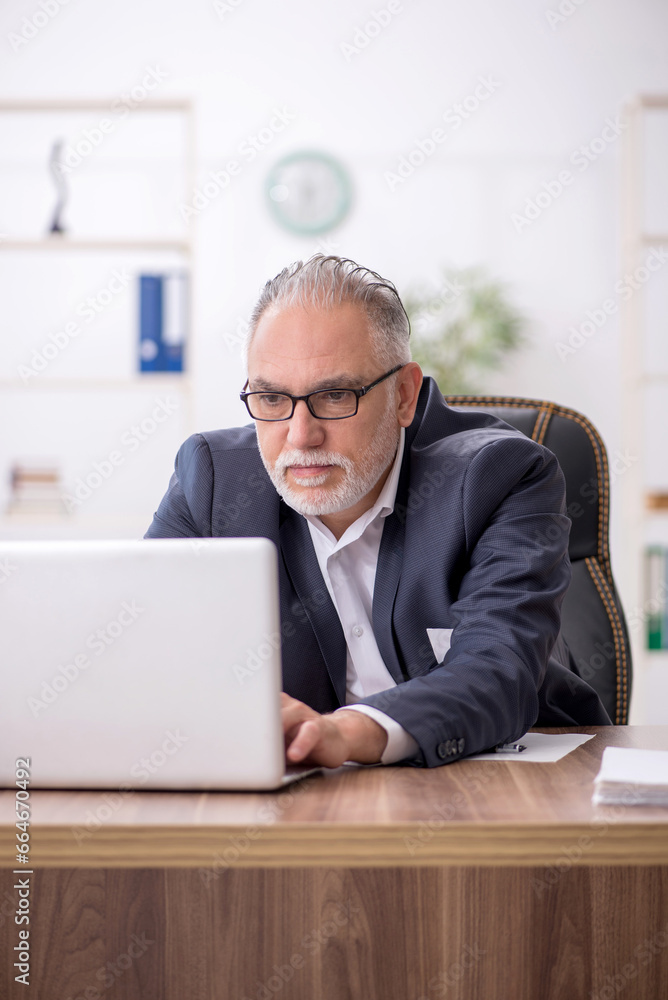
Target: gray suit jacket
(477, 544)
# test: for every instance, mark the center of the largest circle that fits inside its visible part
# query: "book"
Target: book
(35, 489)
(150, 322)
(655, 600)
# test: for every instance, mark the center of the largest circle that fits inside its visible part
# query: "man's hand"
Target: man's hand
(329, 740)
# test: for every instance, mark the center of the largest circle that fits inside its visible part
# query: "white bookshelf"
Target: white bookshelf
(644, 385)
(121, 392)
(59, 244)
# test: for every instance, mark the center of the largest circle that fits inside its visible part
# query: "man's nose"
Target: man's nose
(305, 430)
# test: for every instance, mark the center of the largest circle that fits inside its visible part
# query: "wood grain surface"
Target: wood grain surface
(492, 812)
(341, 934)
(474, 881)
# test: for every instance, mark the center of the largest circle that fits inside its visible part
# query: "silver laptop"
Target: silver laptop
(142, 664)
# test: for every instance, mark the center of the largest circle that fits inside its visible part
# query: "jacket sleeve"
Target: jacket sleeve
(505, 612)
(185, 509)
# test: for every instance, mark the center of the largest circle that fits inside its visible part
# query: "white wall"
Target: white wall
(555, 84)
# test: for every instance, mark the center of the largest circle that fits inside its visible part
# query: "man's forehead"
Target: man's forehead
(313, 320)
(313, 343)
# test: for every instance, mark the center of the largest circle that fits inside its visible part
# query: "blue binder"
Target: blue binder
(150, 322)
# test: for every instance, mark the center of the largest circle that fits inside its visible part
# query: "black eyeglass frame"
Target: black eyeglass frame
(358, 393)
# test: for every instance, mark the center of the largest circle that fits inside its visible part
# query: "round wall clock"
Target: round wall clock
(308, 192)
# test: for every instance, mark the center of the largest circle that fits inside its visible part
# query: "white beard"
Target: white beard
(358, 479)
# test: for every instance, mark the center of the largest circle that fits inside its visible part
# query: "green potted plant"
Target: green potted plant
(463, 329)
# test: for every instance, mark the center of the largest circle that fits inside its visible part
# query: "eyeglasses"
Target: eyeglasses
(325, 404)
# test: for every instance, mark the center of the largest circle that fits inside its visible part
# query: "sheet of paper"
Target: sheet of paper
(540, 748)
(634, 767)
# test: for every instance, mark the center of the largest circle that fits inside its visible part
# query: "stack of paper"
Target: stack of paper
(632, 777)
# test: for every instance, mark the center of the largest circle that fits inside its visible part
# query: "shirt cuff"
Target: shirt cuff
(400, 744)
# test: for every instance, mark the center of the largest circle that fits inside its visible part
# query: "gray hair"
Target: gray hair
(328, 282)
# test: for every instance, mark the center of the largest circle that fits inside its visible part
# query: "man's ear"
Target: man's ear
(409, 381)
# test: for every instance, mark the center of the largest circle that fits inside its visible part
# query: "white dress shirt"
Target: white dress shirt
(348, 567)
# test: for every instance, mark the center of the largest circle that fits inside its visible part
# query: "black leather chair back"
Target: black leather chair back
(593, 622)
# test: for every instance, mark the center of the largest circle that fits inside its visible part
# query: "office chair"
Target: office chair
(593, 622)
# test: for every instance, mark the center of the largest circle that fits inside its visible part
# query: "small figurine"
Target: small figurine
(59, 180)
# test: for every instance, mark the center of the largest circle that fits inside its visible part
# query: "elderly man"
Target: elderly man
(421, 575)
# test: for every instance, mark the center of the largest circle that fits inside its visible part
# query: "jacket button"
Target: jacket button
(442, 750)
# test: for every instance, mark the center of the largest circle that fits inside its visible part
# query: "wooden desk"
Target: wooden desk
(481, 879)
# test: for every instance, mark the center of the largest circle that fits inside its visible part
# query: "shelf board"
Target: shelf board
(95, 104)
(657, 657)
(65, 243)
(149, 380)
(15, 527)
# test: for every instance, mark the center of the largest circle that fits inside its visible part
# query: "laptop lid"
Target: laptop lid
(142, 664)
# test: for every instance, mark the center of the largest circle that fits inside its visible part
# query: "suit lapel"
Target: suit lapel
(385, 587)
(302, 565)
(388, 571)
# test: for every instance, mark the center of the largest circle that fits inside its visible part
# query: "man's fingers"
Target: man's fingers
(294, 712)
(308, 735)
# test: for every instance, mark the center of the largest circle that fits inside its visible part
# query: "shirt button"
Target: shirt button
(358, 630)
